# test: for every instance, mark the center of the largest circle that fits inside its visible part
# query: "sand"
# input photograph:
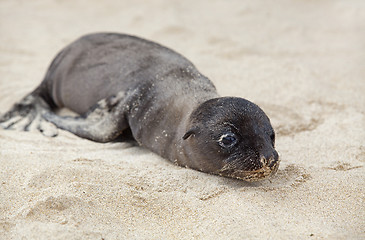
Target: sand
(301, 61)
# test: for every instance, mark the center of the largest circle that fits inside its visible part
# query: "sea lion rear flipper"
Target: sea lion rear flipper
(26, 115)
(103, 123)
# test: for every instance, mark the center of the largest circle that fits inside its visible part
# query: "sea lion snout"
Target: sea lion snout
(252, 167)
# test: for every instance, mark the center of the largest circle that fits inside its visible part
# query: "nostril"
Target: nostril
(276, 155)
(269, 159)
(263, 160)
(274, 159)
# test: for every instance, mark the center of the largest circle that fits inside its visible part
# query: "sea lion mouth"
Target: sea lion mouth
(267, 170)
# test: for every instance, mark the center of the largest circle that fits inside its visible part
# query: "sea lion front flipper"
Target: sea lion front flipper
(27, 114)
(103, 123)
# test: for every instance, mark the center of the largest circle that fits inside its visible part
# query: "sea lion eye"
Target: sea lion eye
(227, 140)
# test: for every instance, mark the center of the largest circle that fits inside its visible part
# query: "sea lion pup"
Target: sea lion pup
(117, 81)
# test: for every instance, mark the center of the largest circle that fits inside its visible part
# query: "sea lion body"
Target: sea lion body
(117, 81)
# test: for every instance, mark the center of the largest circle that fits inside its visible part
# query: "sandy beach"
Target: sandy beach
(301, 61)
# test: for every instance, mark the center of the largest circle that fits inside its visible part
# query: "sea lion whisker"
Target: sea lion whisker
(235, 162)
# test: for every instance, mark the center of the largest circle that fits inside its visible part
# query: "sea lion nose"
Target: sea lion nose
(269, 158)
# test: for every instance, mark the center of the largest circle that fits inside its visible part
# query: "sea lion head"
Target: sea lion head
(231, 137)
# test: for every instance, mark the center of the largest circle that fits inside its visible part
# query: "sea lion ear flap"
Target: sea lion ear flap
(192, 131)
